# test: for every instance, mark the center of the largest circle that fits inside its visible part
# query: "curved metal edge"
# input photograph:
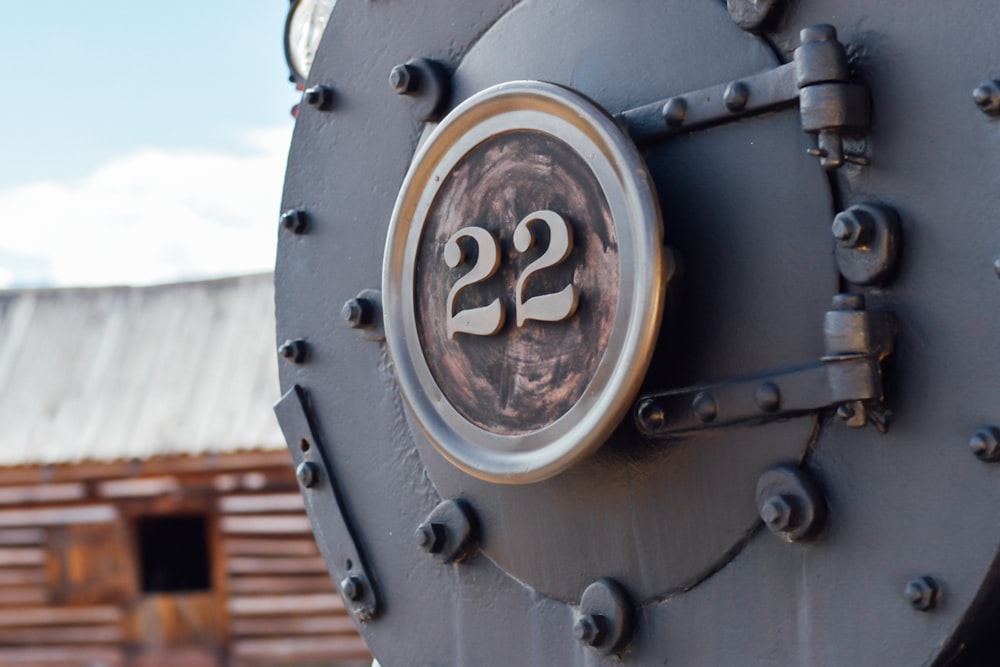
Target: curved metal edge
(645, 271)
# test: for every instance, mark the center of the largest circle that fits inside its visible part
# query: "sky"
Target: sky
(140, 142)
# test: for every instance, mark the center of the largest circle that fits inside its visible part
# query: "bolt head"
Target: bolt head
(404, 79)
(320, 97)
(852, 228)
(923, 593)
(587, 630)
(675, 111)
(985, 444)
(736, 96)
(768, 397)
(818, 33)
(352, 587)
(651, 415)
(294, 221)
(307, 473)
(987, 97)
(704, 407)
(430, 537)
(779, 514)
(358, 313)
(293, 351)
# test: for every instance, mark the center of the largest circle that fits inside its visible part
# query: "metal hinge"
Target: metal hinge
(334, 536)
(849, 376)
(817, 78)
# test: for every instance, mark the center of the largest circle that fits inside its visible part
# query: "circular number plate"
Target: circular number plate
(523, 281)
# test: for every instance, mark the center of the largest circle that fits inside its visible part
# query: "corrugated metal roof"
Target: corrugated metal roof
(100, 374)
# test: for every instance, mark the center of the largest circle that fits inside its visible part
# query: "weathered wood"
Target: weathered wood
(290, 565)
(261, 503)
(175, 620)
(41, 493)
(22, 536)
(277, 525)
(21, 576)
(284, 604)
(286, 584)
(62, 656)
(138, 487)
(54, 516)
(332, 648)
(279, 565)
(259, 547)
(293, 625)
(177, 657)
(59, 616)
(101, 634)
(21, 556)
(22, 595)
(248, 461)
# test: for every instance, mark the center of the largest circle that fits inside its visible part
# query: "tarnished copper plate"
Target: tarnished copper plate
(523, 281)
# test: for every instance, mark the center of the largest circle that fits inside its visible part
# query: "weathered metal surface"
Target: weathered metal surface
(748, 212)
(118, 373)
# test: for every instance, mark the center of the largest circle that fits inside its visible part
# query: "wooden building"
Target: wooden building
(149, 515)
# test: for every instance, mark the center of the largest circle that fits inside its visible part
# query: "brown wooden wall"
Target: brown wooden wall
(70, 575)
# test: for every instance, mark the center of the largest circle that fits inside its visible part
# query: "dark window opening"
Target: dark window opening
(174, 554)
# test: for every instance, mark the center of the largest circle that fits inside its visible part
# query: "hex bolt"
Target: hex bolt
(319, 97)
(294, 351)
(987, 97)
(818, 33)
(704, 407)
(736, 96)
(353, 588)
(847, 301)
(651, 415)
(853, 228)
(294, 221)
(405, 79)
(780, 513)
(985, 444)
(923, 593)
(307, 473)
(587, 630)
(675, 111)
(358, 312)
(430, 537)
(768, 397)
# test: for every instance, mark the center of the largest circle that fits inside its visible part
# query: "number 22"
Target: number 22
(488, 320)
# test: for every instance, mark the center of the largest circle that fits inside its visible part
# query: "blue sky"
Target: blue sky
(128, 130)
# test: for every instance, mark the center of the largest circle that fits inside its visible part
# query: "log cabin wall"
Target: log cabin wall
(74, 591)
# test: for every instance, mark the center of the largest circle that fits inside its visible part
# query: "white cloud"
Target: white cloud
(152, 216)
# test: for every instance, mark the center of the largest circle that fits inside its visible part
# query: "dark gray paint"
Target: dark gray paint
(750, 215)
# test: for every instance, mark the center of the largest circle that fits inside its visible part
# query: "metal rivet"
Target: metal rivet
(768, 397)
(704, 406)
(985, 444)
(818, 33)
(996, 267)
(848, 301)
(294, 221)
(987, 97)
(307, 473)
(359, 313)
(294, 351)
(675, 111)
(587, 630)
(320, 97)
(736, 96)
(651, 415)
(352, 587)
(404, 79)
(923, 593)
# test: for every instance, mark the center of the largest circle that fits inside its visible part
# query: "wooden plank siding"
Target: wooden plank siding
(71, 578)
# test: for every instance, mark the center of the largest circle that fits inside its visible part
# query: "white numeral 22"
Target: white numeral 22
(488, 320)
